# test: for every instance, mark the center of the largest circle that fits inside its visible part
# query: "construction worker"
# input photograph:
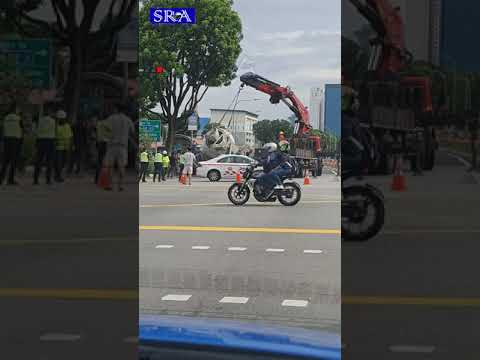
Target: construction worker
(283, 144)
(165, 163)
(63, 143)
(103, 136)
(143, 165)
(158, 165)
(13, 134)
(45, 145)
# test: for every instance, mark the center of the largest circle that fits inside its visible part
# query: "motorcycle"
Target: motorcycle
(363, 210)
(239, 193)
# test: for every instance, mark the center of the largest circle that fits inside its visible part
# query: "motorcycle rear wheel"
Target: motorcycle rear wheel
(296, 194)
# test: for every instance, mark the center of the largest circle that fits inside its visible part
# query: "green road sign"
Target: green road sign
(30, 58)
(151, 128)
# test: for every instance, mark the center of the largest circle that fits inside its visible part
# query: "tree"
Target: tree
(195, 57)
(79, 35)
(267, 130)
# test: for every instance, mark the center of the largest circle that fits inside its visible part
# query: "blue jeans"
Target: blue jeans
(281, 172)
(274, 177)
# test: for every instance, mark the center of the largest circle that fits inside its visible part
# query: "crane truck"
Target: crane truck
(303, 145)
(396, 107)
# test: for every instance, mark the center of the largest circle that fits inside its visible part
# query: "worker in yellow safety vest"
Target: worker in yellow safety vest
(63, 144)
(158, 163)
(165, 163)
(12, 137)
(143, 165)
(45, 144)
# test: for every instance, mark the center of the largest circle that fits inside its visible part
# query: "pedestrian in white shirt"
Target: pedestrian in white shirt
(117, 150)
(189, 159)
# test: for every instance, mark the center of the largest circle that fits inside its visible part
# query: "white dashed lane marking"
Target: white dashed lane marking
(200, 247)
(236, 248)
(275, 250)
(176, 297)
(295, 303)
(312, 251)
(411, 349)
(59, 337)
(163, 246)
(234, 300)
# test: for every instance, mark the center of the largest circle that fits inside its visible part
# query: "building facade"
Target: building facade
(239, 122)
(332, 114)
(315, 109)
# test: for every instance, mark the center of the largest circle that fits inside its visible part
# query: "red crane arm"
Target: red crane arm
(279, 93)
(387, 22)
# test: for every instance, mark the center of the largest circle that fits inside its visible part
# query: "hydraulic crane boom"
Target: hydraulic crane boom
(279, 93)
(389, 53)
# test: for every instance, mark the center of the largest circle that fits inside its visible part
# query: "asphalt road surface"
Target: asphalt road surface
(413, 291)
(69, 265)
(202, 256)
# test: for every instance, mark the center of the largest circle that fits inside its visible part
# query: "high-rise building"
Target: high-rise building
(332, 113)
(315, 109)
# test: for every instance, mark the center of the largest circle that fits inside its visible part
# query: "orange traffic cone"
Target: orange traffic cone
(399, 181)
(238, 178)
(104, 179)
(183, 179)
(306, 180)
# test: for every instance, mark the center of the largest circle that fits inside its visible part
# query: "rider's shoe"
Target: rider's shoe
(278, 187)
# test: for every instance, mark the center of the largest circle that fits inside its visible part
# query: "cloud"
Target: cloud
(323, 32)
(285, 51)
(288, 35)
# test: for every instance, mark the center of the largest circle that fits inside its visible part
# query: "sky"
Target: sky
(295, 43)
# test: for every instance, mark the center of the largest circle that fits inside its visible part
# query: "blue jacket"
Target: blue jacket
(273, 160)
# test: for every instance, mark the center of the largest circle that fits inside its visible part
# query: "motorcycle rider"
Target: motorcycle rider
(275, 166)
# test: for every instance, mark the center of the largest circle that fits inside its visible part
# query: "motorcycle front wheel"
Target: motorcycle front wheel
(365, 213)
(238, 194)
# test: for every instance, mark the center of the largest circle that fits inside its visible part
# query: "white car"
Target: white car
(223, 167)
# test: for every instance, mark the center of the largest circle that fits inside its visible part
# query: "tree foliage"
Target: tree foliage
(195, 57)
(90, 47)
(267, 130)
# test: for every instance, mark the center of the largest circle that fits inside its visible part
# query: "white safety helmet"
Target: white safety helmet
(164, 152)
(270, 147)
(61, 114)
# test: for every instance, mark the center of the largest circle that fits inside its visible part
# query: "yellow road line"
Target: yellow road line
(73, 294)
(241, 229)
(398, 300)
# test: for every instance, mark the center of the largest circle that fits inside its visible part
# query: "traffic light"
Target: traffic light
(159, 69)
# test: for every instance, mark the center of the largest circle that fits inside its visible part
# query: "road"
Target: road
(412, 292)
(69, 265)
(202, 256)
